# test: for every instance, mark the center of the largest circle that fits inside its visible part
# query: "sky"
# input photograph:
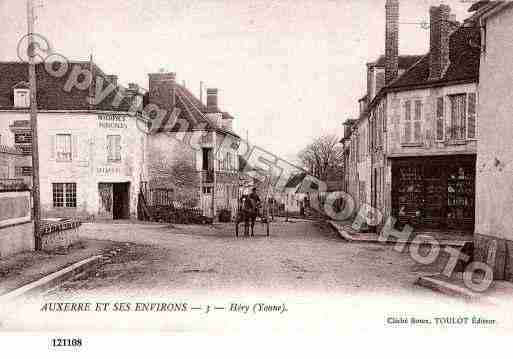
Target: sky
(287, 70)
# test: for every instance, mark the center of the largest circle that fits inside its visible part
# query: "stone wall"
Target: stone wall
(16, 226)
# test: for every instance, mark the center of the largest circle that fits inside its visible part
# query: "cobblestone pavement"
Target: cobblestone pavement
(298, 256)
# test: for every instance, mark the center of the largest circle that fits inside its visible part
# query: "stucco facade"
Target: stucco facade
(494, 185)
(411, 153)
(88, 165)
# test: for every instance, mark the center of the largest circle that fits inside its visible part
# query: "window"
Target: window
(21, 98)
(440, 118)
(417, 134)
(63, 147)
(457, 129)
(412, 124)
(64, 195)
(471, 116)
(114, 148)
(407, 121)
(25, 171)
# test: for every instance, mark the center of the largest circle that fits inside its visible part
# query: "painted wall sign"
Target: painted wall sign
(112, 121)
(107, 171)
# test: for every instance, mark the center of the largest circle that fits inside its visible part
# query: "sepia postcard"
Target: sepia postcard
(257, 168)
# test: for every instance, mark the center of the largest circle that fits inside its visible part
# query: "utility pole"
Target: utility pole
(36, 196)
(214, 185)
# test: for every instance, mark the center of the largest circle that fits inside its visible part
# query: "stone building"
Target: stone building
(494, 177)
(197, 136)
(415, 141)
(91, 147)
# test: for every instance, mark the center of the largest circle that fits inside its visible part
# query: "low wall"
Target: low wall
(59, 232)
(16, 226)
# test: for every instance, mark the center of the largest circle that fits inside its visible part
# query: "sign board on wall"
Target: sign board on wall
(112, 121)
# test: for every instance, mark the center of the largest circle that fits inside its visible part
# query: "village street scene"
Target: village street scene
(386, 178)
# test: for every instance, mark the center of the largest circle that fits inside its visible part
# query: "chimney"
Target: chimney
(212, 100)
(440, 28)
(113, 79)
(391, 41)
(162, 89)
(133, 87)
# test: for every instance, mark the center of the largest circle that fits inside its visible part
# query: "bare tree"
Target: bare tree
(324, 158)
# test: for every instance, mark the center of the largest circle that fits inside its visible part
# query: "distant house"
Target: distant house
(291, 196)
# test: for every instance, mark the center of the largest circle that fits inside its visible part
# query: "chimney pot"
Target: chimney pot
(391, 41)
(162, 89)
(212, 98)
(440, 28)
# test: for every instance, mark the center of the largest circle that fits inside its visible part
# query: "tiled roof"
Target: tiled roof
(405, 61)
(194, 112)
(464, 62)
(51, 93)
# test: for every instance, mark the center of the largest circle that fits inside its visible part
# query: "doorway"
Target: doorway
(114, 200)
(120, 201)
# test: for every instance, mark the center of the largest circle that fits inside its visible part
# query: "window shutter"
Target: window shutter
(407, 122)
(384, 114)
(407, 132)
(52, 147)
(407, 111)
(109, 148)
(418, 121)
(118, 147)
(417, 130)
(84, 148)
(471, 116)
(418, 110)
(74, 148)
(440, 118)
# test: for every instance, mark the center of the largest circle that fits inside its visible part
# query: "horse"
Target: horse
(248, 212)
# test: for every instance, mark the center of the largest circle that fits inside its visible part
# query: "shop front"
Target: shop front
(434, 192)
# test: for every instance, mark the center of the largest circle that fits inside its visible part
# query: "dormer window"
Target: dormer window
(21, 95)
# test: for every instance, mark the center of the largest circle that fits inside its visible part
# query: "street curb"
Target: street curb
(52, 279)
(438, 285)
(349, 238)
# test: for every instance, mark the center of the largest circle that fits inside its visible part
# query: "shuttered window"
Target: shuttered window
(418, 121)
(457, 131)
(114, 148)
(440, 119)
(471, 116)
(63, 147)
(407, 122)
